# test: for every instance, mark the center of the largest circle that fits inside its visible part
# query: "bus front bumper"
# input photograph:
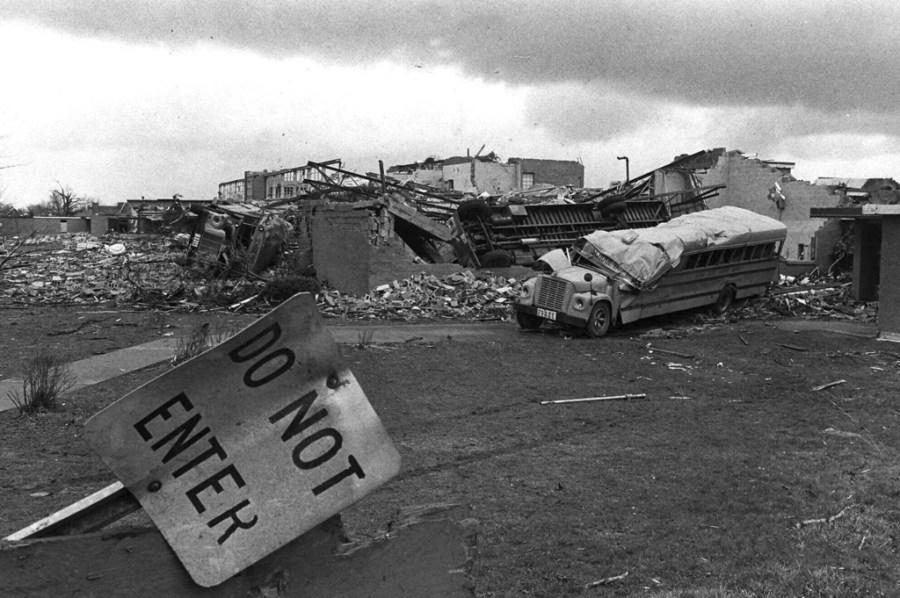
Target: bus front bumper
(558, 317)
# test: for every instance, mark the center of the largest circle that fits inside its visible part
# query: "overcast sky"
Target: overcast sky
(131, 98)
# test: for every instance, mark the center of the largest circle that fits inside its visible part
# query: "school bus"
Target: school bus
(708, 258)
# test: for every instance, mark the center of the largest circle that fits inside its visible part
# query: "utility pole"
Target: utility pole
(627, 171)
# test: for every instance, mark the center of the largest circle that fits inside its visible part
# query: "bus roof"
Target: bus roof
(644, 254)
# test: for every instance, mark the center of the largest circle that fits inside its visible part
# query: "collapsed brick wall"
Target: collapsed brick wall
(356, 250)
(748, 182)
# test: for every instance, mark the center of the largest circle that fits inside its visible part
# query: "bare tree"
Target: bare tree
(7, 210)
(64, 201)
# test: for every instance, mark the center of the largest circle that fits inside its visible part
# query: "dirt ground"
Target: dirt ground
(734, 477)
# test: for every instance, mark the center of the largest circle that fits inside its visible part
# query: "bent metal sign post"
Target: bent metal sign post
(240, 450)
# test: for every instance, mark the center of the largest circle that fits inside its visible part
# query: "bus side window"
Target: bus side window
(702, 259)
(757, 252)
(691, 262)
(715, 257)
(770, 249)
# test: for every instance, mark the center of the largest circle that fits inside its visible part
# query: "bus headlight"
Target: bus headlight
(527, 290)
(578, 304)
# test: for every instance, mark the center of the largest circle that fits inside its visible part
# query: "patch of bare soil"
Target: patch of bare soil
(733, 477)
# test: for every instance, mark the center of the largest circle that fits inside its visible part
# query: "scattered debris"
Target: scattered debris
(462, 295)
(148, 275)
(669, 352)
(148, 272)
(793, 347)
(812, 297)
(831, 519)
(625, 397)
(841, 433)
(606, 581)
(829, 385)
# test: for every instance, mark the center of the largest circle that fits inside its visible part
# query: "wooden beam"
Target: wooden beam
(87, 515)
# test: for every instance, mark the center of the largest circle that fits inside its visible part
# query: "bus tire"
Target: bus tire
(473, 209)
(724, 301)
(528, 321)
(599, 321)
(497, 258)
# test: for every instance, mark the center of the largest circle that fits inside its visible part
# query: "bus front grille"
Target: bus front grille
(552, 293)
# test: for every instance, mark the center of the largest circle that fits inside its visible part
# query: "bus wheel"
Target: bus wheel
(599, 321)
(724, 300)
(497, 259)
(528, 321)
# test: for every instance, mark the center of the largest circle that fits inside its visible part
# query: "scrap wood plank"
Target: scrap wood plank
(793, 347)
(429, 556)
(87, 515)
(624, 397)
(829, 385)
(671, 352)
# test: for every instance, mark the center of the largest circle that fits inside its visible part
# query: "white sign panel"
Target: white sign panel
(240, 450)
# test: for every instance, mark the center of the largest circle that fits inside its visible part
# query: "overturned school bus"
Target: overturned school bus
(488, 236)
(615, 277)
(226, 236)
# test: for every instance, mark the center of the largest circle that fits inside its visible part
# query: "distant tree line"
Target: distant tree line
(62, 201)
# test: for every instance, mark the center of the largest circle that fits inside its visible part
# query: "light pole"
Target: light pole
(627, 173)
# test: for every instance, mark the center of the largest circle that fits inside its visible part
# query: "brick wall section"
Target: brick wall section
(341, 248)
(889, 291)
(346, 258)
(553, 172)
(44, 226)
(748, 182)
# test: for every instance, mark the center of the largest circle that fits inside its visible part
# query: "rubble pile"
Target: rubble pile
(461, 295)
(145, 272)
(81, 269)
(811, 299)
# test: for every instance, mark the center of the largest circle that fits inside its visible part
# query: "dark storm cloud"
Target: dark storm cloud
(825, 55)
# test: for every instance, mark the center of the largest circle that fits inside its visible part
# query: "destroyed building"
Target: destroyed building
(257, 186)
(768, 187)
(487, 174)
(150, 215)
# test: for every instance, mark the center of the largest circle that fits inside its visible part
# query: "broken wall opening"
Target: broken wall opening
(356, 248)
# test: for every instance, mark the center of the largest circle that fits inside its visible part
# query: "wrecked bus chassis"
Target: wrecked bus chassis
(489, 236)
(704, 258)
(226, 236)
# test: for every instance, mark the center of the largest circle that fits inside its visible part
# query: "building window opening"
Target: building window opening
(527, 180)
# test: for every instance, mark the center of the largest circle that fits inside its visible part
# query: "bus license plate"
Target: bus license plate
(546, 313)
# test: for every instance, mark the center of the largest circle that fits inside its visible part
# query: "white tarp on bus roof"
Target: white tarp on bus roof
(644, 254)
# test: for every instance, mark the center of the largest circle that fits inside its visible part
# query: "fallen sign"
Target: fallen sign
(242, 449)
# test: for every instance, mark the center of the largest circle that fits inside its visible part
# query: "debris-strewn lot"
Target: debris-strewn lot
(147, 272)
(733, 477)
